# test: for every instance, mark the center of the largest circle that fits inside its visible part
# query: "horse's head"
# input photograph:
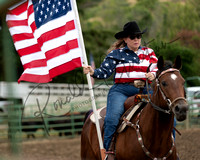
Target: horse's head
(170, 83)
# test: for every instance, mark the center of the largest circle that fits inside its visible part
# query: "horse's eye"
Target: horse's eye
(164, 83)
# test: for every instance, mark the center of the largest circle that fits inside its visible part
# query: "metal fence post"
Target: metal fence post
(10, 74)
(72, 117)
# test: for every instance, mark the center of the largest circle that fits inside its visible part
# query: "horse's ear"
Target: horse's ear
(177, 63)
(160, 63)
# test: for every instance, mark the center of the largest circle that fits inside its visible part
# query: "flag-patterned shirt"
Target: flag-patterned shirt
(127, 65)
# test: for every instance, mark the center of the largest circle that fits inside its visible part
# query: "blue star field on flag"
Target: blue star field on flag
(47, 10)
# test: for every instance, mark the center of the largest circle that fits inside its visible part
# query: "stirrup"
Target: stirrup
(110, 155)
(110, 152)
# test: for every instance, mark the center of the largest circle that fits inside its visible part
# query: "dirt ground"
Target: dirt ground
(188, 146)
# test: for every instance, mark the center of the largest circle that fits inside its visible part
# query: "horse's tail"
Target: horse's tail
(87, 115)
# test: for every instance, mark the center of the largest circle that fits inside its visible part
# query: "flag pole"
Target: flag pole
(74, 5)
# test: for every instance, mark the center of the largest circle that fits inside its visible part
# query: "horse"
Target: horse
(149, 133)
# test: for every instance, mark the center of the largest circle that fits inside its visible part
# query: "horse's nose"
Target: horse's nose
(181, 111)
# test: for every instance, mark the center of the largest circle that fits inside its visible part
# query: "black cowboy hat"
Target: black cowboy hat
(130, 28)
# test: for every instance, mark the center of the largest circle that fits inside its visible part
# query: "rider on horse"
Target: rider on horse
(129, 61)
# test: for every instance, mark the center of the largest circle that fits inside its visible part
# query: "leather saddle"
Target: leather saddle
(132, 105)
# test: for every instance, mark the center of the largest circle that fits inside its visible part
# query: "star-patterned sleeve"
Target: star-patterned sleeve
(107, 67)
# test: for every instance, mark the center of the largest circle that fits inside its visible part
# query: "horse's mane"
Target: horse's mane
(167, 64)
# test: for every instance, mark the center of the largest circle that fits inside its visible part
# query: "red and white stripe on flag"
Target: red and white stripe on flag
(50, 48)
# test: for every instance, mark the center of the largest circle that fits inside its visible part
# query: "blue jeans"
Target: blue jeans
(115, 108)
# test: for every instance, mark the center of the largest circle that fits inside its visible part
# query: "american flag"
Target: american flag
(46, 38)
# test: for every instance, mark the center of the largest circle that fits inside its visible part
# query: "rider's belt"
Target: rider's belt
(138, 83)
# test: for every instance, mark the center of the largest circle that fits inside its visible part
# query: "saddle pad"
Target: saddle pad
(128, 117)
(92, 118)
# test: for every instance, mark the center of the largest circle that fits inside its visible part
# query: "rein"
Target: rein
(169, 102)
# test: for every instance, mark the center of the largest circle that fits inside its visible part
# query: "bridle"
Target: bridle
(169, 102)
